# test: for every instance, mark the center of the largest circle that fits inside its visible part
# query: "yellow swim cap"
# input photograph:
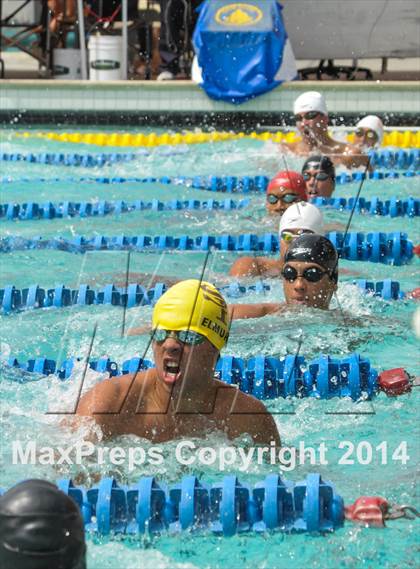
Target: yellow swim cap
(194, 305)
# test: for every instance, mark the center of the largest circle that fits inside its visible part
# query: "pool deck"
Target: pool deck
(29, 101)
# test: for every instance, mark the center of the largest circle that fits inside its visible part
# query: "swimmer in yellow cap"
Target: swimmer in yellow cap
(180, 397)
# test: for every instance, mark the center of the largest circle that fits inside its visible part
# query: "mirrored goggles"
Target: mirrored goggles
(319, 176)
(310, 116)
(360, 133)
(288, 236)
(188, 337)
(287, 198)
(311, 274)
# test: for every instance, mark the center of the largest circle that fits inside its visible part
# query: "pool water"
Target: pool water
(377, 329)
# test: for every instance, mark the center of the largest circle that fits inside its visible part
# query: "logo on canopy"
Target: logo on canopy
(238, 14)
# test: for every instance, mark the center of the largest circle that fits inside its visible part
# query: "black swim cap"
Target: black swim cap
(319, 162)
(40, 528)
(312, 248)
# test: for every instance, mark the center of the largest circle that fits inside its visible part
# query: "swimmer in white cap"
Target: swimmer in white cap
(369, 132)
(311, 117)
(298, 219)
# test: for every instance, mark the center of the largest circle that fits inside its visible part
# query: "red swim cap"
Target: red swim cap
(290, 180)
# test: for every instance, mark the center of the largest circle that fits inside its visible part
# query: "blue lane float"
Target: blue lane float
(72, 159)
(389, 248)
(49, 210)
(264, 377)
(13, 299)
(227, 184)
(401, 159)
(393, 207)
(224, 508)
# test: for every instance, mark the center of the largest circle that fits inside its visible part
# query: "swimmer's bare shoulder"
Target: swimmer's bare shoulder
(257, 310)
(297, 147)
(246, 414)
(255, 267)
(114, 396)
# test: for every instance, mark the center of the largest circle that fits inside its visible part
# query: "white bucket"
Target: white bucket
(105, 54)
(66, 64)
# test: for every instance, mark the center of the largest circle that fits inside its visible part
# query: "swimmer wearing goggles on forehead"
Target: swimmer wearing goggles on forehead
(298, 219)
(180, 397)
(309, 277)
(311, 116)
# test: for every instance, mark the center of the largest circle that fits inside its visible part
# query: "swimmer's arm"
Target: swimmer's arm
(241, 311)
(249, 415)
(102, 402)
(146, 329)
(95, 405)
(245, 266)
(353, 158)
(255, 267)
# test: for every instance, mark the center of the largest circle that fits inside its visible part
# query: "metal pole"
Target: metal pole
(124, 38)
(82, 39)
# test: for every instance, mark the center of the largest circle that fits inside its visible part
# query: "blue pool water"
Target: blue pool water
(379, 330)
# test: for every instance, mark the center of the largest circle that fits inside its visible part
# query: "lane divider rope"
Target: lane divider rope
(393, 207)
(14, 299)
(403, 139)
(264, 377)
(389, 159)
(49, 210)
(193, 505)
(211, 183)
(389, 248)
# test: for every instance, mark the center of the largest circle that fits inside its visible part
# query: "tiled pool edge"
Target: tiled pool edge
(149, 99)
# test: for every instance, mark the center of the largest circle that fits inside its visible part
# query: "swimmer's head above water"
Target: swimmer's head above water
(369, 132)
(319, 174)
(311, 115)
(310, 271)
(191, 316)
(285, 189)
(301, 218)
(40, 528)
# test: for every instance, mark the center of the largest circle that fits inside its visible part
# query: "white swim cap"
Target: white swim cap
(373, 123)
(310, 101)
(302, 215)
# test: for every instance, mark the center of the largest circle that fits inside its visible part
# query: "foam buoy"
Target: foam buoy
(368, 510)
(394, 382)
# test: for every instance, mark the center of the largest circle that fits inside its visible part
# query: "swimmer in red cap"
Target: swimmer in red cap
(285, 189)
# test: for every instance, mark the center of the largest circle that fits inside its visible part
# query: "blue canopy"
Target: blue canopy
(239, 48)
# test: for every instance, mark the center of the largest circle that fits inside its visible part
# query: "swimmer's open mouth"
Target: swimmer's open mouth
(171, 370)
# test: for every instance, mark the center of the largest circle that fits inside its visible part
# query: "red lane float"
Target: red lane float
(368, 510)
(394, 382)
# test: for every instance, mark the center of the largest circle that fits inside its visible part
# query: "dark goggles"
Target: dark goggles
(287, 198)
(188, 337)
(319, 176)
(360, 133)
(310, 116)
(311, 274)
